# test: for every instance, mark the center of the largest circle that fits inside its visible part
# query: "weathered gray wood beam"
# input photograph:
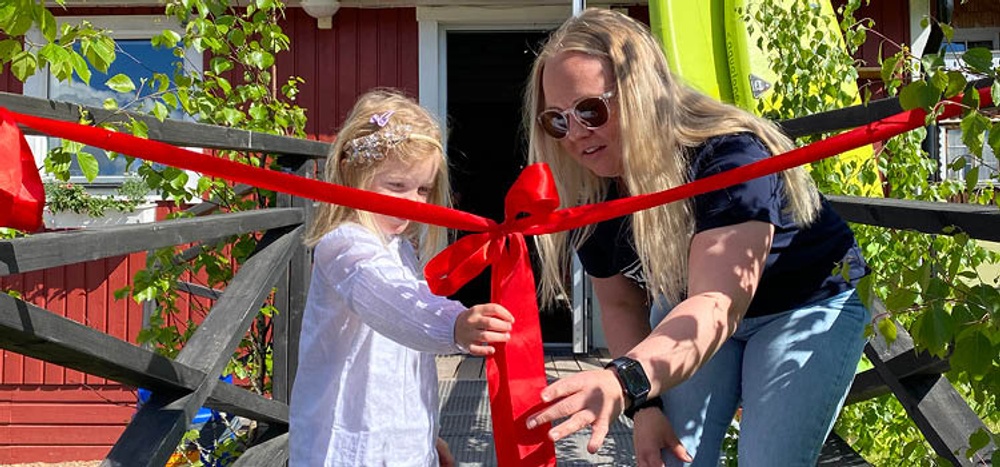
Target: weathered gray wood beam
(270, 453)
(851, 117)
(60, 248)
(869, 384)
(158, 426)
(979, 222)
(235, 400)
(199, 290)
(837, 453)
(841, 119)
(937, 409)
(176, 132)
(290, 299)
(39, 333)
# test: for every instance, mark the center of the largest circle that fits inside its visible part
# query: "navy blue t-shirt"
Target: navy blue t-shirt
(799, 268)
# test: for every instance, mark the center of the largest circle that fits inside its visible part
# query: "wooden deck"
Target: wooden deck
(465, 415)
(458, 367)
(465, 419)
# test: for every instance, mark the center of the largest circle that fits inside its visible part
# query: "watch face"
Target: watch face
(634, 378)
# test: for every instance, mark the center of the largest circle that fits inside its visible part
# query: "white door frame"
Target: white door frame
(434, 24)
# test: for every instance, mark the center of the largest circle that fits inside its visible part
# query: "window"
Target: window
(970, 38)
(136, 58)
(954, 149)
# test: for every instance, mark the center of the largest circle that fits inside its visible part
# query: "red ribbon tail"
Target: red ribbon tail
(22, 195)
(516, 373)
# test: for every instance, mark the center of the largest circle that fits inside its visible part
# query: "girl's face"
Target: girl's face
(568, 79)
(413, 181)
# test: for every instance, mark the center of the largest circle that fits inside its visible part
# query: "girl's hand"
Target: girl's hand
(651, 433)
(444, 454)
(482, 325)
(591, 398)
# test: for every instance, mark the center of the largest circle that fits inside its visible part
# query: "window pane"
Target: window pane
(956, 148)
(137, 59)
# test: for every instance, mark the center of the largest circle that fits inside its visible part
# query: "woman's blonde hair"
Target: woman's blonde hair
(661, 121)
(383, 124)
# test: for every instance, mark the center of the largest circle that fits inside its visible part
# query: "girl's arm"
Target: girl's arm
(377, 287)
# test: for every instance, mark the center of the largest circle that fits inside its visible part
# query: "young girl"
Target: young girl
(366, 391)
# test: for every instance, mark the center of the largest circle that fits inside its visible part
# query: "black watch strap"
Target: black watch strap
(651, 402)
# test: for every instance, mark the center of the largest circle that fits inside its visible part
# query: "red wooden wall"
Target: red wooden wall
(366, 48)
(51, 414)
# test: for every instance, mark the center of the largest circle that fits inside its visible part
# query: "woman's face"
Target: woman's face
(566, 79)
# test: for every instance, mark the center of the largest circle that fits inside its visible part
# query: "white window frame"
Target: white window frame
(991, 34)
(121, 27)
(946, 142)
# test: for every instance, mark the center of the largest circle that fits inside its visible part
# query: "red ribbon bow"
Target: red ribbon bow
(516, 372)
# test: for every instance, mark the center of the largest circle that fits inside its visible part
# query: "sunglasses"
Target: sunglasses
(591, 112)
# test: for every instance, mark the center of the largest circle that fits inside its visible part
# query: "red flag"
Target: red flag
(22, 195)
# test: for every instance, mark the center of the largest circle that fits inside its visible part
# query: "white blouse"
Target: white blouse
(366, 391)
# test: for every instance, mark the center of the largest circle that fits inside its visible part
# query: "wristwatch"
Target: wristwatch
(635, 384)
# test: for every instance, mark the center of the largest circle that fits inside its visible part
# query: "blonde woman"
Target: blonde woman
(758, 278)
(366, 389)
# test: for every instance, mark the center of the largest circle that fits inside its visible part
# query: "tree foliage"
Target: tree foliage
(933, 284)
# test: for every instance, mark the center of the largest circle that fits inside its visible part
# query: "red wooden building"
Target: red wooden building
(466, 60)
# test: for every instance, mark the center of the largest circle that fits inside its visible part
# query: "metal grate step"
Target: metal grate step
(466, 426)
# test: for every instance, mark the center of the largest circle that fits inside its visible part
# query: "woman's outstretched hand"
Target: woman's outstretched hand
(591, 398)
(482, 325)
(651, 433)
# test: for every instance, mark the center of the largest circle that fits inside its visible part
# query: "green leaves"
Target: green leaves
(919, 95)
(933, 330)
(934, 286)
(23, 64)
(980, 59)
(88, 165)
(120, 83)
(974, 354)
(973, 128)
(887, 329)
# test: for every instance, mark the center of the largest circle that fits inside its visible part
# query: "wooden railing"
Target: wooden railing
(182, 385)
(915, 378)
(189, 381)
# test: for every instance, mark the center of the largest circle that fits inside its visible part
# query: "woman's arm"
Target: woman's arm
(624, 312)
(724, 269)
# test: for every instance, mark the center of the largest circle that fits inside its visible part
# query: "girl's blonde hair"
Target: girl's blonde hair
(395, 127)
(661, 121)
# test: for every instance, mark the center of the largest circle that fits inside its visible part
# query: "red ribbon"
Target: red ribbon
(22, 195)
(516, 372)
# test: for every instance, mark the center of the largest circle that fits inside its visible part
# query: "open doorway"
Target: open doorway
(486, 75)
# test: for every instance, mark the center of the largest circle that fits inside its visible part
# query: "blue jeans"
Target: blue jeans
(790, 372)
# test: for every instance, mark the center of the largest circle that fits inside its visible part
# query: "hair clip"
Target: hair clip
(381, 119)
(374, 146)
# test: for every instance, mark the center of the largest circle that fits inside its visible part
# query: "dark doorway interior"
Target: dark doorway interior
(487, 72)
